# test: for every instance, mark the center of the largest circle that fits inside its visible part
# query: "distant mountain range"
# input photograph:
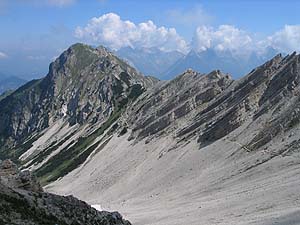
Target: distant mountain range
(151, 61)
(167, 65)
(8, 83)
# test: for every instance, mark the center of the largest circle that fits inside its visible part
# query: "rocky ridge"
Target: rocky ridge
(23, 201)
(178, 99)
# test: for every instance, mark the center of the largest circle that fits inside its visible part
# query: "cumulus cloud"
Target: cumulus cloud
(110, 30)
(225, 37)
(3, 55)
(240, 42)
(286, 39)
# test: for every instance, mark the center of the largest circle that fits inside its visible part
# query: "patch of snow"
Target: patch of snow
(97, 207)
(64, 110)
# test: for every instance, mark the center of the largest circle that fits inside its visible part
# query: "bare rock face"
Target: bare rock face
(11, 176)
(159, 109)
(211, 106)
(23, 202)
(8, 168)
(282, 100)
(84, 85)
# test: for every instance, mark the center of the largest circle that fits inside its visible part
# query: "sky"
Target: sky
(35, 32)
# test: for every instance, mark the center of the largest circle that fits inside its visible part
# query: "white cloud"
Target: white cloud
(110, 30)
(225, 37)
(240, 42)
(286, 39)
(3, 55)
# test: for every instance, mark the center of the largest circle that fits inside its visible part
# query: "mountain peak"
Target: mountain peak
(186, 75)
(80, 45)
(84, 85)
(81, 64)
(189, 71)
(101, 48)
(217, 74)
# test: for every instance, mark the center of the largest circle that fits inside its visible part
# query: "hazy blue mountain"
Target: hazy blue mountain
(10, 83)
(150, 61)
(209, 60)
(5, 94)
(167, 65)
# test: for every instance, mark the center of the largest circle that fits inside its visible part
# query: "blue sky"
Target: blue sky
(35, 32)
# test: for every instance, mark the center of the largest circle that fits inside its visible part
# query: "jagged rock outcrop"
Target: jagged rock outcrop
(23, 202)
(263, 92)
(166, 104)
(12, 177)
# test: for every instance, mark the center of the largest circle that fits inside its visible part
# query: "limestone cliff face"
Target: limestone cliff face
(161, 109)
(211, 106)
(270, 93)
(84, 85)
